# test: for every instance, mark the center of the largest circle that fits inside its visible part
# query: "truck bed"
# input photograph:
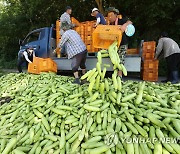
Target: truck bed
(132, 63)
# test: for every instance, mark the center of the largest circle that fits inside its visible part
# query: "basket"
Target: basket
(105, 35)
(42, 65)
(88, 42)
(75, 21)
(149, 46)
(148, 55)
(149, 75)
(47, 65)
(89, 47)
(150, 64)
(132, 51)
(33, 68)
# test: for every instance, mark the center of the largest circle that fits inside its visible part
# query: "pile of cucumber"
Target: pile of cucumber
(50, 115)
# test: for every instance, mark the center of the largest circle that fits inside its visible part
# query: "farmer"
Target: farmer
(76, 49)
(99, 17)
(171, 53)
(65, 17)
(25, 56)
(114, 20)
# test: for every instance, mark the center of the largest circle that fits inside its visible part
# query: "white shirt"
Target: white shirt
(26, 56)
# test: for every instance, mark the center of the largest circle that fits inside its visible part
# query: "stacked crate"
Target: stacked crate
(149, 65)
(82, 27)
(88, 35)
(78, 28)
(93, 49)
(132, 51)
(85, 30)
(58, 36)
(149, 50)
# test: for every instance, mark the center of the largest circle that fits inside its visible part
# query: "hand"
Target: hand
(123, 28)
(94, 26)
(54, 51)
(129, 22)
(75, 25)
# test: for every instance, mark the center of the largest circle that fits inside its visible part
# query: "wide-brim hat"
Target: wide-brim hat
(113, 9)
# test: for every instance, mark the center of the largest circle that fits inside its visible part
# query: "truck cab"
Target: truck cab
(43, 40)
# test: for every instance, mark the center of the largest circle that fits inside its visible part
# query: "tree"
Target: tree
(100, 6)
(17, 18)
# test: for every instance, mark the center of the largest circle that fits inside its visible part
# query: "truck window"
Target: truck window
(32, 37)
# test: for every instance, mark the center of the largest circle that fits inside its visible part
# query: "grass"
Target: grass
(1, 73)
(5, 64)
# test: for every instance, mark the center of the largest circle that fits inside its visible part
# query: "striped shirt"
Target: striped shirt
(73, 42)
(65, 17)
(168, 46)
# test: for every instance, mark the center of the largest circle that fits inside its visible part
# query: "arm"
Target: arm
(68, 19)
(64, 39)
(97, 21)
(124, 26)
(159, 48)
(26, 57)
(34, 54)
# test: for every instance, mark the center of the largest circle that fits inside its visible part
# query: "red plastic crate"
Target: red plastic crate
(148, 55)
(47, 65)
(88, 42)
(75, 21)
(89, 47)
(150, 64)
(88, 37)
(42, 65)
(33, 68)
(149, 75)
(132, 51)
(149, 46)
(104, 36)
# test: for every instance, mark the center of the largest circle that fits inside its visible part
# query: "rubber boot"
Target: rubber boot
(76, 81)
(175, 77)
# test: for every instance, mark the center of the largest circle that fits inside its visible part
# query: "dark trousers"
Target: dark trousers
(173, 62)
(20, 63)
(79, 60)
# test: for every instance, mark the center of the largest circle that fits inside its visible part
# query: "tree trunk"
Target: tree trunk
(100, 6)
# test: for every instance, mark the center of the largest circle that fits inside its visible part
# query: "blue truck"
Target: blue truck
(44, 42)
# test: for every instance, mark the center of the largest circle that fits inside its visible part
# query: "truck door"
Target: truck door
(52, 41)
(38, 40)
